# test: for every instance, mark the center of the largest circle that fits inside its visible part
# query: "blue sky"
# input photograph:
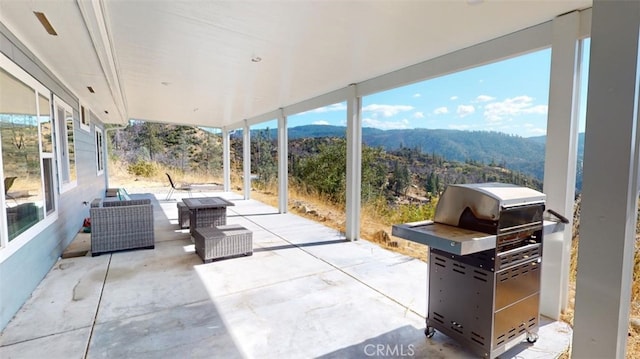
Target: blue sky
(509, 96)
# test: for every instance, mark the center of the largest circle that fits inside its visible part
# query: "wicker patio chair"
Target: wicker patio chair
(121, 225)
(174, 188)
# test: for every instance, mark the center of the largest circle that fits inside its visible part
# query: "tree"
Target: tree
(325, 172)
(149, 138)
(400, 178)
(208, 155)
(430, 185)
(263, 157)
(374, 173)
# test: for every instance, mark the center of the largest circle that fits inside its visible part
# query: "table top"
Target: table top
(206, 202)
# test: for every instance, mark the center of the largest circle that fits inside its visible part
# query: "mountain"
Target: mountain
(525, 155)
(543, 140)
(580, 159)
(513, 152)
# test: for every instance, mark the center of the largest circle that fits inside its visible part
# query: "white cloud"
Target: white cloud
(538, 110)
(416, 95)
(384, 125)
(453, 98)
(440, 111)
(330, 108)
(484, 98)
(515, 106)
(465, 110)
(386, 110)
(321, 122)
(418, 115)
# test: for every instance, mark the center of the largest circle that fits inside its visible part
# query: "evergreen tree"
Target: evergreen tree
(149, 138)
(400, 178)
(263, 157)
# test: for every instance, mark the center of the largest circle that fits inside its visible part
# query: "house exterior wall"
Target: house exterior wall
(23, 269)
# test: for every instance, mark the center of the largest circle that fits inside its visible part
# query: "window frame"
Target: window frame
(8, 248)
(85, 117)
(100, 150)
(71, 184)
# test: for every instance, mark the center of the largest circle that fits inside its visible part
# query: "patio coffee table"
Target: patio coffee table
(207, 211)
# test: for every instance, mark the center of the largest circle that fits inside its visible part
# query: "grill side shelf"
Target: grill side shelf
(445, 237)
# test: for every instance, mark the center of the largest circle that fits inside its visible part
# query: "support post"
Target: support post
(354, 164)
(246, 159)
(610, 184)
(560, 160)
(226, 160)
(283, 162)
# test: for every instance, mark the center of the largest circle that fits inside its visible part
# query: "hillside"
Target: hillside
(403, 174)
(543, 139)
(176, 146)
(318, 163)
(513, 152)
(520, 154)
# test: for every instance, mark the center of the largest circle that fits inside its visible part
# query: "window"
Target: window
(46, 129)
(85, 120)
(99, 151)
(66, 152)
(26, 147)
(46, 143)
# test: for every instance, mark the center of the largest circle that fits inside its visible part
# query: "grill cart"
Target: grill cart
(485, 253)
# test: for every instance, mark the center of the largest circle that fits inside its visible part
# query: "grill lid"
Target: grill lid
(485, 201)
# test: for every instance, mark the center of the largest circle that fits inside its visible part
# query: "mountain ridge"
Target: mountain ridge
(490, 147)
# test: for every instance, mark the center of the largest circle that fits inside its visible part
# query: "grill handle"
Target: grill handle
(562, 218)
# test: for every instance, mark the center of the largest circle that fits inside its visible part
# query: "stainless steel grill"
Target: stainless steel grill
(484, 264)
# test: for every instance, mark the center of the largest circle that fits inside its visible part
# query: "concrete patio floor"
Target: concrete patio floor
(305, 293)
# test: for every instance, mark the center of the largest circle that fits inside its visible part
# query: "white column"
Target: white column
(354, 164)
(226, 160)
(283, 159)
(560, 160)
(246, 159)
(610, 189)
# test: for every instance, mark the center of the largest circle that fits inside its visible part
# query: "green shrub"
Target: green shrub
(142, 169)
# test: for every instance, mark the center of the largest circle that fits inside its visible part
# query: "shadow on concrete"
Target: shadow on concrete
(187, 331)
(254, 214)
(290, 246)
(159, 307)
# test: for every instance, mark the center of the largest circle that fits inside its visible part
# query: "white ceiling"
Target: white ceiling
(189, 62)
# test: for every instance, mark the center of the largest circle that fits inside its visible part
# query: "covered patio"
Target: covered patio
(306, 292)
(232, 65)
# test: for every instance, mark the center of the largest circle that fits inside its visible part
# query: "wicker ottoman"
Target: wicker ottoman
(183, 215)
(222, 242)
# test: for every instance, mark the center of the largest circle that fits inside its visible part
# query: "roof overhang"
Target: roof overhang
(214, 63)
